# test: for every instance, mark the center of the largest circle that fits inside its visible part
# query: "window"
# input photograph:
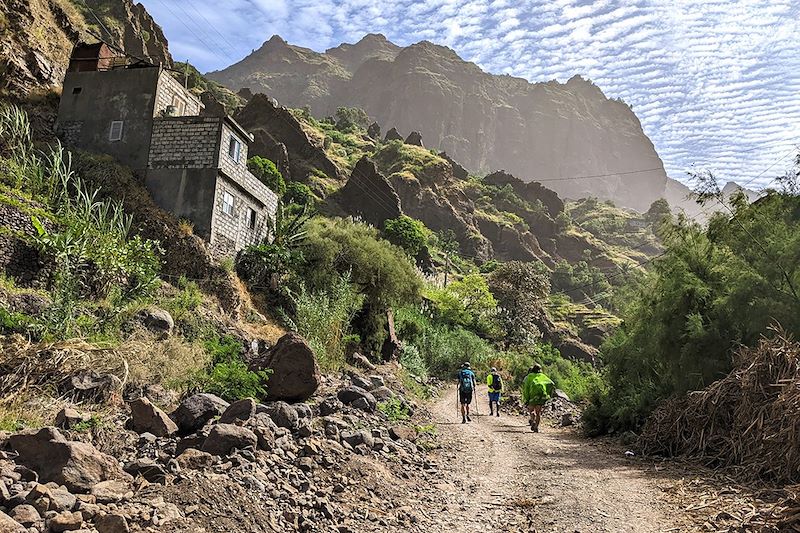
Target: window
(234, 148)
(227, 203)
(77, 90)
(115, 133)
(251, 218)
(178, 106)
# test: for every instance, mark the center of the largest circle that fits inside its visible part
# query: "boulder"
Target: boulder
(361, 382)
(393, 135)
(197, 410)
(282, 414)
(224, 438)
(156, 320)
(356, 438)
(76, 465)
(414, 138)
(111, 491)
(363, 362)
(241, 410)
(303, 410)
(66, 521)
(402, 433)
(9, 525)
(382, 394)
(68, 418)
(352, 394)
(266, 438)
(374, 131)
(25, 514)
(147, 418)
(329, 406)
(148, 469)
(111, 523)
(377, 381)
(193, 459)
(369, 195)
(295, 373)
(90, 386)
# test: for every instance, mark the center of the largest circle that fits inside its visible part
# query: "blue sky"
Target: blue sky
(716, 84)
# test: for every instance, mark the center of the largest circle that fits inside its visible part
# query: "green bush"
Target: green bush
(411, 360)
(713, 290)
(228, 377)
(394, 409)
(323, 317)
(266, 171)
(298, 193)
(406, 232)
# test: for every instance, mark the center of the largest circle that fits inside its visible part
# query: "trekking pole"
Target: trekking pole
(475, 395)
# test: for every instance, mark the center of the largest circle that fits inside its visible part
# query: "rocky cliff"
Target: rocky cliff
(36, 38)
(541, 131)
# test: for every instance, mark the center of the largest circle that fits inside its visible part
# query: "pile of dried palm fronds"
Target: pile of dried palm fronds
(749, 420)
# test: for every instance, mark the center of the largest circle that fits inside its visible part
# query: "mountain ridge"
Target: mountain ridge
(542, 130)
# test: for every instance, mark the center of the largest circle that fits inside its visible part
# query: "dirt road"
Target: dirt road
(498, 474)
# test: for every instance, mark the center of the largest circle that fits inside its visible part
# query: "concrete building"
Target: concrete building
(194, 165)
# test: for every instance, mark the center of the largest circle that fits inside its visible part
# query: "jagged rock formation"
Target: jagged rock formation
(459, 172)
(414, 138)
(536, 131)
(369, 194)
(393, 135)
(374, 131)
(532, 192)
(273, 126)
(30, 63)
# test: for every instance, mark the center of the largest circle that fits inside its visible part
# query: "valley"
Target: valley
(240, 300)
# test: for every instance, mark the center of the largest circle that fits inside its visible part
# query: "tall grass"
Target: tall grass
(93, 253)
(323, 318)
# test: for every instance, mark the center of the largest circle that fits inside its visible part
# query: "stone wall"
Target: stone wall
(237, 171)
(168, 89)
(19, 259)
(184, 142)
(231, 233)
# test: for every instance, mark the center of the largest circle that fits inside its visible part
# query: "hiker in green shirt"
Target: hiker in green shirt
(495, 383)
(536, 390)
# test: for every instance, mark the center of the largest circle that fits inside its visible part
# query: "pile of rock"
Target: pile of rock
(279, 463)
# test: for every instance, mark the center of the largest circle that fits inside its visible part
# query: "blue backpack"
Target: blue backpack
(465, 381)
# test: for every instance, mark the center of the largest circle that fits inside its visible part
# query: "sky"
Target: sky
(716, 84)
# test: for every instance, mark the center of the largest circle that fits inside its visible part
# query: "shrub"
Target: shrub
(228, 376)
(406, 232)
(298, 193)
(411, 360)
(348, 118)
(267, 173)
(323, 317)
(394, 409)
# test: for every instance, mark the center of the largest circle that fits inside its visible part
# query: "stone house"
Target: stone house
(194, 164)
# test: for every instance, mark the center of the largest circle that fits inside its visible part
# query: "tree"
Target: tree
(267, 173)
(466, 302)
(298, 193)
(407, 233)
(519, 289)
(351, 117)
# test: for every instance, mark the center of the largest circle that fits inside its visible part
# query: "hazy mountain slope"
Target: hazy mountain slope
(536, 131)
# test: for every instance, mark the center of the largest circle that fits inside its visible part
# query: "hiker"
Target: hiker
(495, 383)
(536, 390)
(466, 388)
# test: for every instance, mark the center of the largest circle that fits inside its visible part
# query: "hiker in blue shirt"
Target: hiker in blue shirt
(466, 389)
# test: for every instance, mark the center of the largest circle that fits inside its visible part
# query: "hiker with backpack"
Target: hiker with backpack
(466, 389)
(495, 383)
(536, 390)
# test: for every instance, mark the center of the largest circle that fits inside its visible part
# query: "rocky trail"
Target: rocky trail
(496, 471)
